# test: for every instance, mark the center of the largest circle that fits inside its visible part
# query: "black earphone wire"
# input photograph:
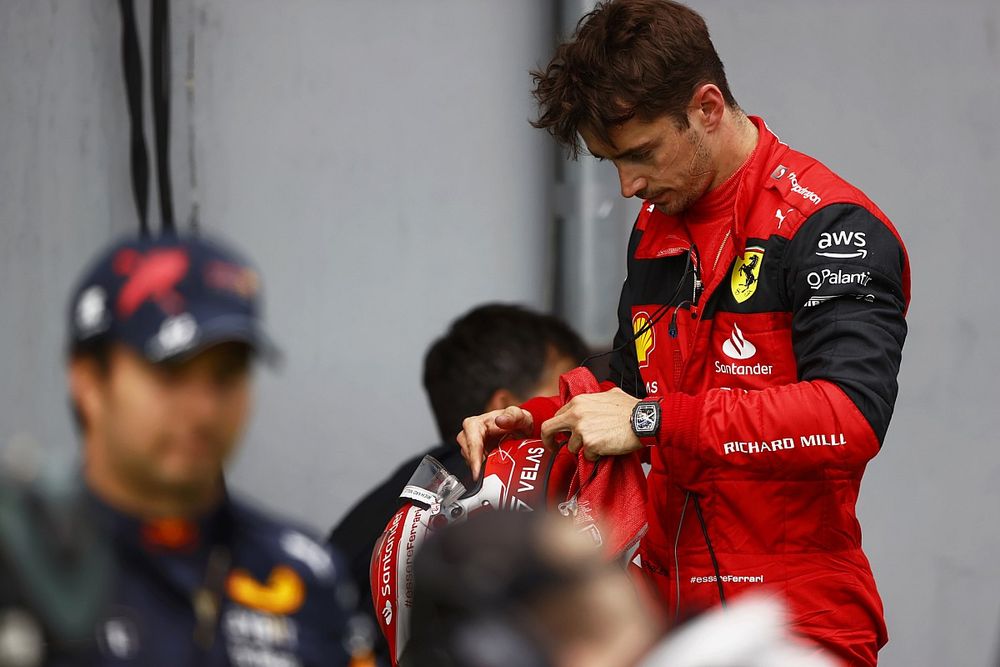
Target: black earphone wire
(711, 551)
(690, 268)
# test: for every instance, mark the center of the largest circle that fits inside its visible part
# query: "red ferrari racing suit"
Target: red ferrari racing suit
(777, 381)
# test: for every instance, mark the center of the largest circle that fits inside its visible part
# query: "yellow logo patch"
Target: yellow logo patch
(746, 274)
(644, 342)
(283, 593)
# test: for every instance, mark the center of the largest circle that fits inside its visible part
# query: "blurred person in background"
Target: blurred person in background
(493, 356)
(164, 332)
(761, 328)
(525, 589)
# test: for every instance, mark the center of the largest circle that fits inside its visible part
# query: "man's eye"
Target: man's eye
(169, 373)
(230, 373)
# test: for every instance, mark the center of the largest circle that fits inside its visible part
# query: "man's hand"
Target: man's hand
(485, 431)
(600, 424)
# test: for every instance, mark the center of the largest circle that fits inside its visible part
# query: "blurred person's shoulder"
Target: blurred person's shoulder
(287, 565)
(288, 591)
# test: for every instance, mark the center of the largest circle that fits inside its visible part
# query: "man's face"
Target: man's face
(164, 430)
(657, 161)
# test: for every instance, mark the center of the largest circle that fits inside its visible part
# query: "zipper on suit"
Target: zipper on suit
(698, 293)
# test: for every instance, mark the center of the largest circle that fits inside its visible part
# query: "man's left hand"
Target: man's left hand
(600, 424)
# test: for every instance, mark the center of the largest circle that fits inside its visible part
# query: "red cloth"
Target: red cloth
(609, 494)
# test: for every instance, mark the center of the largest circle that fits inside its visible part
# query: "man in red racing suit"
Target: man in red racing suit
(762, 322)
(776, 384)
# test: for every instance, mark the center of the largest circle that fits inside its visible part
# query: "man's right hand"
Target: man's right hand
(484, 432)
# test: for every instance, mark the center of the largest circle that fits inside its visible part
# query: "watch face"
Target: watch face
(646, 418)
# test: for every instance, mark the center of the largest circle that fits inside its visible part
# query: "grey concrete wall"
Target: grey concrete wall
(64, 191)
(375, 159)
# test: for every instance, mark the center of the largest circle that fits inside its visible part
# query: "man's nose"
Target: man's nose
(202, 397)
(631, 183)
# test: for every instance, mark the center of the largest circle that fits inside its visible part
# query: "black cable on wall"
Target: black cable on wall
(160, 32)
(160, 79)
(132, 68)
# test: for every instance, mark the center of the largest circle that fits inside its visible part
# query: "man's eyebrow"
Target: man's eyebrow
(631, 152)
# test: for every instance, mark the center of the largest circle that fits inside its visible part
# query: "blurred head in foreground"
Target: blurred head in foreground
(523, 588)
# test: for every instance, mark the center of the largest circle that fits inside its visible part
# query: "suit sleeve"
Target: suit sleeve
(846, 282)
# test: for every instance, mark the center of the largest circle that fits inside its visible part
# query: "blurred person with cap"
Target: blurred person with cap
(163, 334)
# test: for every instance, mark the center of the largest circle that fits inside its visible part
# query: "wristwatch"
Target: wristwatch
(646, 421)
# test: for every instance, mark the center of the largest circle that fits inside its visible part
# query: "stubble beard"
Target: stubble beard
(148, 479)
(697, 179)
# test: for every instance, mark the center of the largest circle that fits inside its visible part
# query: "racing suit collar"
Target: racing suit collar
(166, 534)
(665, 235)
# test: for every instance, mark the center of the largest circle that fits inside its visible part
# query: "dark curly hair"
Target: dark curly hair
(494, 346)
(627, 59)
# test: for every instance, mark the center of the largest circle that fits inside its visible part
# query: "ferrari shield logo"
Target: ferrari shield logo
(746, 273)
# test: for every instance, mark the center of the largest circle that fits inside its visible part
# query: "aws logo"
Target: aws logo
(645, 341)
(746, 274)
(842, 245)
(282, 593)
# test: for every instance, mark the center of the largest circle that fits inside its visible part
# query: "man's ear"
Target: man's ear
(85, 378)
(708, 106)
(502, 398)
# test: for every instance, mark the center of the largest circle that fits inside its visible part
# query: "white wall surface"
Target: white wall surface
(374, 158)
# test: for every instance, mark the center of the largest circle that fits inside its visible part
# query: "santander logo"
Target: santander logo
(387, 613)
(738, 347)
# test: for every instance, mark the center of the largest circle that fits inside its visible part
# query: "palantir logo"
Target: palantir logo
(738, 347)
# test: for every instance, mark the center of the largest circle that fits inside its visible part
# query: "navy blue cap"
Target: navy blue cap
(168, 297)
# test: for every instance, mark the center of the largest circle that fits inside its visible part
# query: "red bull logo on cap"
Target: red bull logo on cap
(152, 276)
